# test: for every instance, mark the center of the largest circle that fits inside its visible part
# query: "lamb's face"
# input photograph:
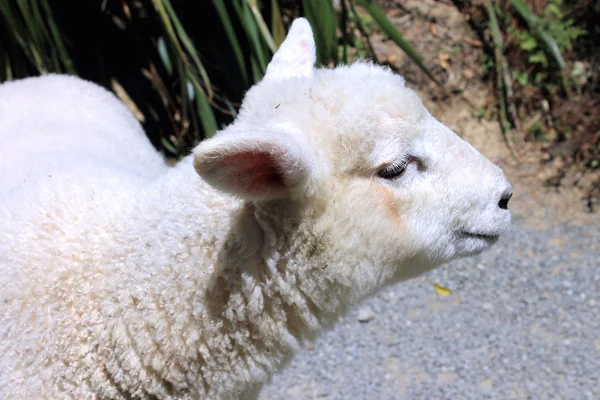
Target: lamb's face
(397, 192)
(408, 185)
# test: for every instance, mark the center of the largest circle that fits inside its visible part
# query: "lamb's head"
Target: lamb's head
(389, 191)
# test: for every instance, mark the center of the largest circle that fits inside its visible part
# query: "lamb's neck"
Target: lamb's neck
(297, 270)
(230, 283)
(257, 261)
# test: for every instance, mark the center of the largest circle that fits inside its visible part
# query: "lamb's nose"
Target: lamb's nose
(503, 203)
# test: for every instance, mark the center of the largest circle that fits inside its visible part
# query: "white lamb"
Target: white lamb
(123, 278)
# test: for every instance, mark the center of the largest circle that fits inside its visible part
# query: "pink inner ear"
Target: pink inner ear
(253, 172)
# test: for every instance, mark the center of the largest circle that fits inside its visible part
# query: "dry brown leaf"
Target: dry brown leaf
(467, 73)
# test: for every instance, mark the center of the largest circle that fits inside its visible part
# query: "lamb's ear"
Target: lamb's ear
(256, 166)
(297, 54)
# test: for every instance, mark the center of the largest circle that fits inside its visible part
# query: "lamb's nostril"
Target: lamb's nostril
(503, 203)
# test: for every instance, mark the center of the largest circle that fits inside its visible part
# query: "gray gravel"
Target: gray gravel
(523, 322)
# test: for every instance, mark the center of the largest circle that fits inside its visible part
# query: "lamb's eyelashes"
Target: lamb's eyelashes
(398, 169)
(393, 171)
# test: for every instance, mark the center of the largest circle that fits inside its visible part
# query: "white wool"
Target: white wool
(123, 278)
(91, 124)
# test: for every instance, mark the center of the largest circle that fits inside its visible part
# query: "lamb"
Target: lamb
(124, 278)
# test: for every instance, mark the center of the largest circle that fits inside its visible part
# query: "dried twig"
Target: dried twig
(363, 32)
(503, 82)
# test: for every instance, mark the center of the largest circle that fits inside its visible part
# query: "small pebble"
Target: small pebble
(365, 314)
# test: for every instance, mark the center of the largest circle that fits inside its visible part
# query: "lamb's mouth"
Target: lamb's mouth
(483, 236)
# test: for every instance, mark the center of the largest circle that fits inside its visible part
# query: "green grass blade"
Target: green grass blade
(321, 16)
(40, 27)
(206, 114)
(36, 34)
(385, 24)
(169, 146)
(233, 41)
(168, 26)
(277, 24)
(182, 61)
(32, 26)
(344, 27)
(6, 72)
(29, 43)
(262, 26)
(251, 29)
(257, 71)
(163, 54)
(28, 19)
(14, 27)
(189, 46)
(184, 107)
(59, 44)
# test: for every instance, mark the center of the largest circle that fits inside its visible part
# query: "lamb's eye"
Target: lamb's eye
(393, 171)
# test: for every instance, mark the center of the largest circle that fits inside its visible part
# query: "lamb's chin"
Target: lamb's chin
(468, 244)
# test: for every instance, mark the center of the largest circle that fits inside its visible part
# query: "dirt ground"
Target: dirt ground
(453, 52)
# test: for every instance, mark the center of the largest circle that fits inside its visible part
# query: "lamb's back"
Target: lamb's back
(56, 123)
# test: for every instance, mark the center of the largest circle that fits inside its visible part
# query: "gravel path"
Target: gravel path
(523, 322)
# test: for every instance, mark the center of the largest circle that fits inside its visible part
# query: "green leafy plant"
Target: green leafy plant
(521, 77)
(560, 26)
(551, 33)
(561, 29)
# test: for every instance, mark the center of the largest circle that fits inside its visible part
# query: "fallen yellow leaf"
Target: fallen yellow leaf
(441, 290)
